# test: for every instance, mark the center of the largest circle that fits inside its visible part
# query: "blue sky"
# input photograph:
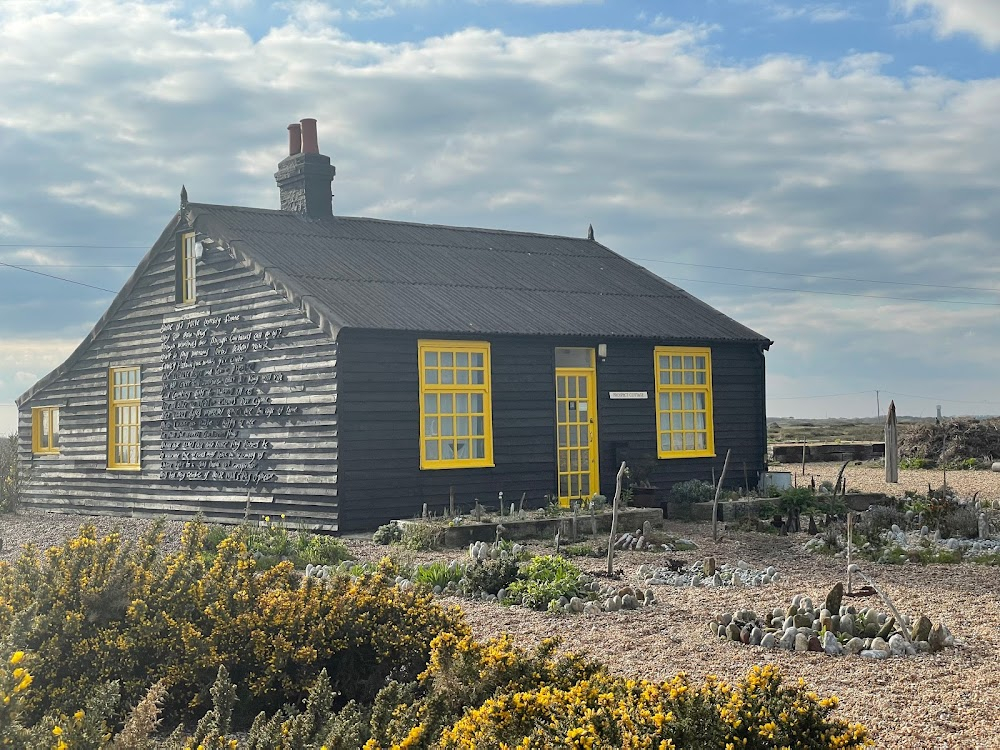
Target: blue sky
(825, 172)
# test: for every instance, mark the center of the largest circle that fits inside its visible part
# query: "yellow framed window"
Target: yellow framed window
(188, 263)
(456, 420)
(124, 403)
(45, 429)
(685, 428)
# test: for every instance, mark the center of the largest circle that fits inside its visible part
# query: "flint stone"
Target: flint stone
(922, 629)
(874, 654)
(756, 636)
(710, 566)
(814, 644)
(897, 645)
(936, 637)
(879, 644)
(847, 624)
(801, 642)
(576, 604)
(854, 646)
(831, 645)
(768, 641)
(787, 640)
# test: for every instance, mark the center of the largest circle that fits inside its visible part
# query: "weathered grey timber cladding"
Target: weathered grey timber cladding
(190, 465)
(380, 476)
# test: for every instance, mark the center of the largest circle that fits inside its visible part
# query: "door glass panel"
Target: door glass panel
(479, 448)
(574, 357)
(571, 387)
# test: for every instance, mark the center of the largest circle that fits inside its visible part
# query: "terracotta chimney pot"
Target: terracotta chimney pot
(294, 139)
(310, 143)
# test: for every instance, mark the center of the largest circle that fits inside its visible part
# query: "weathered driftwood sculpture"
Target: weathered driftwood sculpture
(614, 518)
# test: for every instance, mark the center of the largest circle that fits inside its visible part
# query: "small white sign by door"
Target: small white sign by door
(617, 395)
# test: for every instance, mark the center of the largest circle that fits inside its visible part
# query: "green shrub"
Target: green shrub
(12, 474)
(916, 463)
(492, 575)
(438, 574)
(796, 499)
(692, 491)
(421, 537)
(543, 580)
(389, 533)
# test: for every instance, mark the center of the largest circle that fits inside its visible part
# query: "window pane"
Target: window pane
(446, 404)
(560, 387)
(478, 377)
(462, 449)
(675, 363)
(462, 359)
(699, 420)
(479, 448)
(699, 401)
(476, 403)
(689, 363)
(688, 378)
(677, 420)
(665, 377)
(699, 362)
(689, 441)
(561, 412)
(677, 441)
(702, 441)
(431, 450)
(574, 460)
(462, 377)
(571, 387)
(54, 429)
(447, 426)
(447, 377)
(585, 485)
(431, 427)
(689, 421)
(664, 401)
(478, 426)
(676, 401)
(675, 377)
(584, 436)
(700, 379)
(462, 426)
(665, 442)
(431, 403)
(664, 421)
(477, 359)
(664, 362)
(431, 377)
(447, 450)
(447, 359)
(461, 403)
(689, 401)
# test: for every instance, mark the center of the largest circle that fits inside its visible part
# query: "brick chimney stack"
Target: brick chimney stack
(305, 175)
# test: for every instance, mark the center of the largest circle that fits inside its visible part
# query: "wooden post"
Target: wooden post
(425, 510)
(520, 508)
(614, 519)
(746, 477)
(715, 503)
(576, 512)
(451, 500)
(803, 459)
(850, 545)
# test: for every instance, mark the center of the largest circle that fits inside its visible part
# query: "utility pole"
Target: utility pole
(878, 406)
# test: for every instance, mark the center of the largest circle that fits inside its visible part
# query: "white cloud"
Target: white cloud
(815, 12)
(978, 18)
(833, 168)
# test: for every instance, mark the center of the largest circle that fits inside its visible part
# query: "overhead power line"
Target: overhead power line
(59, 278)
(91, 247)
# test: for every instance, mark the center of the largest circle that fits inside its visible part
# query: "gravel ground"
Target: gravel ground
(943, 700)
(871, 478)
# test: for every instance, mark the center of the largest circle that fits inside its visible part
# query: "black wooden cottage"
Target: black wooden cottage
(344, 371)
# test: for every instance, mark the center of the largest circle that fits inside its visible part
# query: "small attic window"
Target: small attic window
(186, 264)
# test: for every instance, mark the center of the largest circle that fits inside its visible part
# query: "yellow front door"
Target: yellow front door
(576, 432)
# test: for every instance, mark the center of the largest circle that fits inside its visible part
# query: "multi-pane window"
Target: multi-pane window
(456, 429)
(123, 418)
(188, 263)
(684, 402)
(45, 429)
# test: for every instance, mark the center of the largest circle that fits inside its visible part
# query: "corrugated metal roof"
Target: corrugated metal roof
(383, 274)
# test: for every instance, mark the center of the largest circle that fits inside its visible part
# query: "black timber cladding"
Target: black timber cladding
(375, 274)
(380, 478)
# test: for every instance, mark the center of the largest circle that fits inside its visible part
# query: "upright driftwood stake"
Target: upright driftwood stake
(715, 503)
(850, 544)
(576, 513)
(451, 500)
(614, 518)
(520, 507)
(803, 459)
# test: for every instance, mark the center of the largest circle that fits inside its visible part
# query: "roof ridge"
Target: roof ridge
(439, 285)
(396, 222)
